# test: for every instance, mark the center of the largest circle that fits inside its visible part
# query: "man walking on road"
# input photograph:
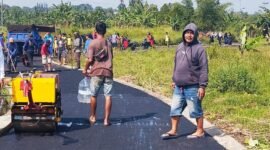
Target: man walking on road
(190, 78)
(100, 57)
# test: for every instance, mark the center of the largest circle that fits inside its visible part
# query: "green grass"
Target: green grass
(246, 110)
(136, 34)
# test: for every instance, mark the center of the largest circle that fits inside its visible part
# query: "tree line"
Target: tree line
(209, 15)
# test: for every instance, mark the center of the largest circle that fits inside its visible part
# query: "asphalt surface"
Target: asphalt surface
(137, 118)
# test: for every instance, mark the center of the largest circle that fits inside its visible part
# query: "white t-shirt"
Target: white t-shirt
(2, 69)
(167, 38)
(114, 38)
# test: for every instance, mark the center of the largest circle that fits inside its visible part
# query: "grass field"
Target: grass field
(237, 98)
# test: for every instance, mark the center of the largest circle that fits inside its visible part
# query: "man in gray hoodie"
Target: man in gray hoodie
(190, 78)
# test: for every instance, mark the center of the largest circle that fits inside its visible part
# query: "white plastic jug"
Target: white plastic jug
(84, 93)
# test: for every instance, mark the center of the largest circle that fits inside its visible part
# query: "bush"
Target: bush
(234, 78)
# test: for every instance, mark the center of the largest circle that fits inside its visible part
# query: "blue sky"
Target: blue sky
(249, 6)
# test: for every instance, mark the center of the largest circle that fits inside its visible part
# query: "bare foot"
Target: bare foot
(107, 123)
(92, 120)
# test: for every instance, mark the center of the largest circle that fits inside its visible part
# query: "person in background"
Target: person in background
(150, 39)
(226, 38)
(12, 49)
(64, 36)
(114, 38)
(220, 37)
(28, 50)
(167, 39)
(211, 37)
(230, 38)
(121, 40)
(89, 38)
(69, 43)
(2, 42)
(2, 65)
(243, 37)
(101, 72)
(45, 56)
(190, 78)
(77, 49)
(49, 36)
(62, 50)
(125, 43)
(55, 46)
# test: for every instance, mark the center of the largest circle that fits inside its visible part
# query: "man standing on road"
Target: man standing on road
(28, 49)
(190, 78)
(87, 42)
(2, 65)
(99, 57)
(49, 37)
(45, 56)
(12, 49)
(77, 44)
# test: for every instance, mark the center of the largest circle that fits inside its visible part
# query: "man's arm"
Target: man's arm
(89, 60)
(203, 81)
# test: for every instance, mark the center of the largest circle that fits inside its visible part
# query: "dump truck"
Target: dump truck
(20, 34)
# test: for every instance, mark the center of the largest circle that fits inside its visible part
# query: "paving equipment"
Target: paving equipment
(37, 102)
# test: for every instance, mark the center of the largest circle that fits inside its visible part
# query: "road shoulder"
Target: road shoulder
(5, 124)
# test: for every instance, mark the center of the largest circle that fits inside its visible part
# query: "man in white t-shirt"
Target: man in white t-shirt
(2, 69)
(114, 40)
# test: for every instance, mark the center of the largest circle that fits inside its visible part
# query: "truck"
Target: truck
(20, 34)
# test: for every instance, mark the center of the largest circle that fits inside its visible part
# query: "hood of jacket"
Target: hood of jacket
(192, 27)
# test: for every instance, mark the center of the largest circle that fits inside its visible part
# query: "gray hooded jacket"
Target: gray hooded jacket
(190, 62)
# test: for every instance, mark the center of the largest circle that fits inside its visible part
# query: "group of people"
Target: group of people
(59, 46)
(149, 41)
(189, 79)
(62, 46)
(227, 37)
(11, 52)
(120, 41)
(123, 42)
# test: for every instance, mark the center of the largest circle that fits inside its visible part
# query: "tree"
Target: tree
(264, 19)
(188, 11)
(121, 5)
(210, 14)
(63, 13)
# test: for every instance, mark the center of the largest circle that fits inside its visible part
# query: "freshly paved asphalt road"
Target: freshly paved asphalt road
(138, 120)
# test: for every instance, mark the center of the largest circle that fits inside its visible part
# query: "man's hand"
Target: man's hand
(201, 93)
